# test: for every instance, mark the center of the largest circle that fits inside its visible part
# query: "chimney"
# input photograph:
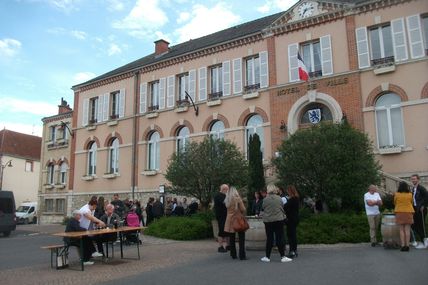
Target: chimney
(161, 46)
(64, 107)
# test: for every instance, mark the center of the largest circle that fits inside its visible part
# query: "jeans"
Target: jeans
(275, 229)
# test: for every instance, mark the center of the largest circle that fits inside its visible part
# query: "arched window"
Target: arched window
(113, 162)
(315, 113)
(63, 173)
(153, 151)
(182, 138)
(254, 126)
(217, 130)
(51, 174)
(389, 120)
(92, 158)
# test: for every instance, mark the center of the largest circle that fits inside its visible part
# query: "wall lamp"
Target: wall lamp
(193, 103)
(283, 126)
(65, 125)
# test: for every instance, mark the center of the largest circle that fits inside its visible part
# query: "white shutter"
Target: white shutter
(293, 64)
(362, 47)
(100, 108)
(192, 84)
(326, 56)
(162, 83)
(399, 39)
(122, 101)
(415, 36)
(143, 97)
(237, 75)
(202, 83)
(105, 98)
(85, 111)
(170, 91)
(226, 78)
(264, 69)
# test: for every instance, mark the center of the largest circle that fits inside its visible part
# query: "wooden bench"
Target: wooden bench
(60, 251)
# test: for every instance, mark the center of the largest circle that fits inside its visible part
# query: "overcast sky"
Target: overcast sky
(47, 46)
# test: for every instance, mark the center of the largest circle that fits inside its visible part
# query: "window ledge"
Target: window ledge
(60, 186)
(88, 177)
(91, 127)
(49, 186)
(385, 69)
(149, 172)
(112, 123)
(181, 109)
(251, 95)
(152, 115)
(393, 150)
(214, 103)
(111, 175)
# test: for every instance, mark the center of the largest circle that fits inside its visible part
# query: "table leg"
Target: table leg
(121, 244)
(81, 253)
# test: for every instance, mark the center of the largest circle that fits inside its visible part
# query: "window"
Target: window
(49, 205)
(216, 82)
(254, 126)
(183, 87)
(217, 130)
(153, 152)
(315, 113)
(65, 131)
(381, 45)
(60, 206)
(311, 53)
(154, 96)
(93, 110)
(114, 98)
(51, 172)
(63, 173)
(389, 121)
(92, 158)
(182, 138)
(252, 80)
(28, 166)
(425, 28)
(114, 156)
(52, 133)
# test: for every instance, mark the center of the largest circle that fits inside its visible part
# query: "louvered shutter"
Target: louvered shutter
(264, 69)
(399, 39)
(237, 75)
(293, 65)
(85, 113)
(226, 78)
(362, 47)
(100, 108)
(105, 98)
(170, 91)
(143, 97)
(415, 36)
(122, 101)
(162, 83)
(326, 55)
(192, 84)
(202, 83)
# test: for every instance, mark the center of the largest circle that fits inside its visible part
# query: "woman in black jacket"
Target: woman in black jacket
(292, 211)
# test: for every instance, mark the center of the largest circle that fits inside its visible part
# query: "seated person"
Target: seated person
(111, 219)
(73, 225)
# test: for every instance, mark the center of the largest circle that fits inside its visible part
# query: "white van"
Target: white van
(27, 213)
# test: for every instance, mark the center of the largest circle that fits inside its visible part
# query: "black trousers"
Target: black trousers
(418, 226)
(88, 247)
(292, 236)
(241, 236)
(275, 230)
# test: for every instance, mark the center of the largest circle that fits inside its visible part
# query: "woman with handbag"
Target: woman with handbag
(291, 209)
(273, 218)
(235, 214)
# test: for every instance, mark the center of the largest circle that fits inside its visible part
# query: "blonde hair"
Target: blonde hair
(272, 189)
(231, 195)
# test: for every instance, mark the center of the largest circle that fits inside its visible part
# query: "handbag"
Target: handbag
(239, 222)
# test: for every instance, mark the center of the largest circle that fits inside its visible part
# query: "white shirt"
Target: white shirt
(372, 210)
(84, 222)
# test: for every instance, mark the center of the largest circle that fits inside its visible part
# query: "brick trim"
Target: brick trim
(177, 125)
(51, 161)
(60, 161)
(110, 137)
(210, 120)
(247, 114)
(89, 140)
(149, 130)
(424, 93)
(375, 93)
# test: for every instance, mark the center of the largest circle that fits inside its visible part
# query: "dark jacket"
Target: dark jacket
(113, 220)
(257, 207)
(73, 225)
(220, 209)
(193, 208)
(119, 208)
(421, 196)
(292, 210)
(157, 210)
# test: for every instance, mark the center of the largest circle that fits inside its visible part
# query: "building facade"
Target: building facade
(367, 63)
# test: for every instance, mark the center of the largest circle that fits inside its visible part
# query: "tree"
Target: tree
(332, 162)
(256, 177)
(202, 167)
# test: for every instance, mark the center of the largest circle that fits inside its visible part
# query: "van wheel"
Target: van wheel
(6, 234)
(35, 220)
(26, 221)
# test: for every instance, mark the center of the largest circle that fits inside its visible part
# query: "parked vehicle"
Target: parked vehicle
(27, 213)
(7, 212)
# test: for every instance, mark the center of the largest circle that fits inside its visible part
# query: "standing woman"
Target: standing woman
(292, 211)
(233, 204)
(273, 218)
(149, 211)
(100, 209)
(404, 213)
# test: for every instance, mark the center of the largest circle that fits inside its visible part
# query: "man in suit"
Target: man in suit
(420, 203)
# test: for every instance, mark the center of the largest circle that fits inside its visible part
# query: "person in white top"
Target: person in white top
(372, 201)
(87, 219)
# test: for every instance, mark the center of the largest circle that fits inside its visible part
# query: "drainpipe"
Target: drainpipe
(134, 135)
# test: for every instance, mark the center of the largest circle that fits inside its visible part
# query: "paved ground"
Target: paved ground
(170, 262)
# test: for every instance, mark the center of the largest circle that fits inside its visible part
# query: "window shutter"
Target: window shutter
(85, 113)
(192, 84)
(122, 103)
(162, 93)
(399, 39)
(326, 57)
(237, 75)
(362, 47)
(202, 83)
(264, 71)
(143, 97)
(105, 106)
(100, 108)
(415, 36)
(293, 65)
(226, 78)
(170, 92)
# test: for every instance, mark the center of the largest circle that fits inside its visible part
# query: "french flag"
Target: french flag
(303, 72)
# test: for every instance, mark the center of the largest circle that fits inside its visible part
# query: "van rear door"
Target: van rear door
(7, 212)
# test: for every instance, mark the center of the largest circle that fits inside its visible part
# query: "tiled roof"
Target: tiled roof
(229, 34)
(21, 145)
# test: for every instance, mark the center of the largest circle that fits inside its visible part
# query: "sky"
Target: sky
(47, 46)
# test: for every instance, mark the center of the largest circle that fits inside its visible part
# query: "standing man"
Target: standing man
(157, 209)
(372, 201)
(220, 211)
(420, 203)
(119, 206)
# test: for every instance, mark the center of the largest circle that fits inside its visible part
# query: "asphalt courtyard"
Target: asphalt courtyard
(171, 262)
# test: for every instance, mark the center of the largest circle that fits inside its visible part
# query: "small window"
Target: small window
(254, 126)
(311, 53)
(425, 31)
(52, 133)
(154, 96)
(182, 138)
(63, 173)
(93, 110)
(114, 156)
(381, 45)
(252, 75)
(114, 111)
(153, 151)
(217, 130)
(65, 131)
(49, 205)
(216, 81)
(28, 166)
(92, 158)
(183, 87)
(60, 206)
(50, 174)
(389, 121)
